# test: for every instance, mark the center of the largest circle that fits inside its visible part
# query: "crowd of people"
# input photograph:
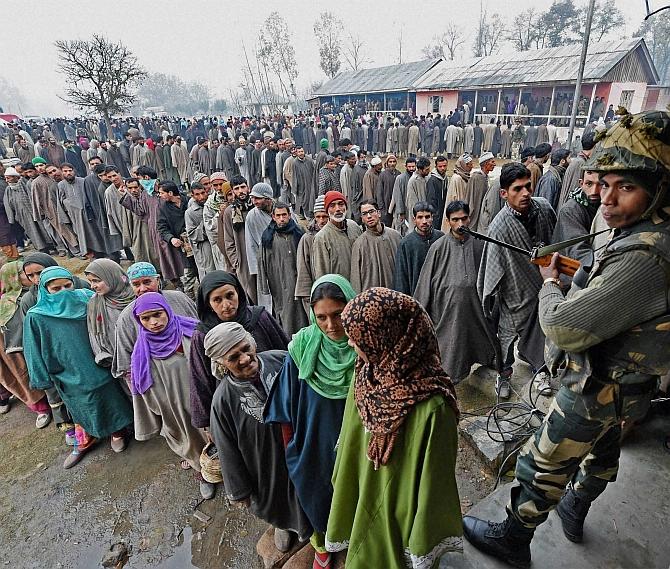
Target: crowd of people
(300, 309)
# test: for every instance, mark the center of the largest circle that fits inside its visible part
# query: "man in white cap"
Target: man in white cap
(416, 187)
(241, 158)
(477, 187)
(371, 179)
(256, 223)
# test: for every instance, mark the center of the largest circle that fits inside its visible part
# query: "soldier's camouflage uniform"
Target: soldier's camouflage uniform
(608, 341)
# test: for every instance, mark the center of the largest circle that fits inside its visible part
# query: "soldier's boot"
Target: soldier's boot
(572, 510)
(508, 540)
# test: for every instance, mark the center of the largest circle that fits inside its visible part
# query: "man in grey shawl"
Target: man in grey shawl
(573, 173)
(447, 289)
(95, 185)
(549, 185)
(225, 160)
(255, 224)
(373, 253)
(241, 158)
(510, 279)
(302, 183)
(195, 230)
(180, 159)
(398, 207)
(417, 187)
(477, 186)
(253, 461)
(277, 268)
(19, 208)
(346, 177)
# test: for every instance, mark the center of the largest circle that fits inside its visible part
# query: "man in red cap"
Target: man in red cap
(331, 251)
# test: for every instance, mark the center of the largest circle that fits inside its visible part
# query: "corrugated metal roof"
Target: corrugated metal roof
(551, 65)
(400, 77)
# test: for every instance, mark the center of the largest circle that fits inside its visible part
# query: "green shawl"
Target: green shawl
(326, 365)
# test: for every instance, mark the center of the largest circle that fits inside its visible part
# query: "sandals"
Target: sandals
(322, 561)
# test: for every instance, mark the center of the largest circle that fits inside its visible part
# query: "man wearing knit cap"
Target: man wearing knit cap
(332, 245)
(542, 152)
(305, 278)
(256, 223)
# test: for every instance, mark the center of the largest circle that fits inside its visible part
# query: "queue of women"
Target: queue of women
(344, 435)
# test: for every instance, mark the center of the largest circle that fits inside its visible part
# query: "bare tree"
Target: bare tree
(328, 32)
(607, 18)
(279, 51)
(101, 76)
(524, 29)
(656, 34)
(490, 32)
(354, 52)
(445, 45)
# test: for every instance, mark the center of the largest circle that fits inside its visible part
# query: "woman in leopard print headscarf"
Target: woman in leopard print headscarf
(395, 501)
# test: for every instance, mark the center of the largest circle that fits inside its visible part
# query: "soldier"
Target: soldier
(609, 341)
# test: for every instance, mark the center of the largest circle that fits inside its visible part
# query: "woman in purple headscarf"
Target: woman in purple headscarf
(159, 381)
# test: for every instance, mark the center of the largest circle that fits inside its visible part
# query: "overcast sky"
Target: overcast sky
(201, 39)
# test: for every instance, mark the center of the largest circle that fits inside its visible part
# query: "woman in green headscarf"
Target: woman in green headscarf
(58, 354)
(308, 400)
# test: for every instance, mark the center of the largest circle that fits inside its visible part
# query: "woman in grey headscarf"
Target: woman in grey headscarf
(252, 454)
(112, 294)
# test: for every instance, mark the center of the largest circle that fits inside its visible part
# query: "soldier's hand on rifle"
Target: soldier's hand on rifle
(550, 271)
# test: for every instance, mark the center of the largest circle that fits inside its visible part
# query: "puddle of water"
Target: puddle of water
(181, 559)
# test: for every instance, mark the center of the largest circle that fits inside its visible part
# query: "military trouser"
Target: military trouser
(578, 444)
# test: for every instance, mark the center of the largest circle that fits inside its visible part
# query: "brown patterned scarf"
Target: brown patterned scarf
(397, 337)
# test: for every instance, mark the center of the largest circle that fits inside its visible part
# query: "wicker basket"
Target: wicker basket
(210, 465)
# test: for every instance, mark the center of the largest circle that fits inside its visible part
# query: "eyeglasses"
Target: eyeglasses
(368, 212)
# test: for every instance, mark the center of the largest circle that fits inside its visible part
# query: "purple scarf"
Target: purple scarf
(159, 345)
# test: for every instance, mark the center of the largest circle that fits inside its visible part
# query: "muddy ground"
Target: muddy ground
(68, 519)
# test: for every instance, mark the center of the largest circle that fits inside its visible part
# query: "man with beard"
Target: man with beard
(413, 249)
(373, 253)
(141, 243)
(73, 156)
(55, 152)
(357, 177)
(241, 158)
(180, 159)
(141, 154)
(66, 238)
(510, 279)
(277, 268)
(232, 222)
(549, 185)
(115, 158)
(119, 219)
(255, 224)
(447, 289)
(577, 215)
(302, 183)
(43, 209)
(478, 185)
(200, 156)
(19, 209)
(385, 188)
(436, 190)
(371, 179)
(416, 187)
(398, 207)
(95, 185)
(331, 251)
(304, 270)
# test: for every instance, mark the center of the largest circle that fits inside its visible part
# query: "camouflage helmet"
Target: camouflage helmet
(639, 142)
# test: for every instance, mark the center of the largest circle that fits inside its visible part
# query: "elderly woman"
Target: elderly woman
(112, 294)
(251, 451)
(58, 354)
(159, 381)
(221, 298)
(14, 378)
(395, 502)
(309, 398)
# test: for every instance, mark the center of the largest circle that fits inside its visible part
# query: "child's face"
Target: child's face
(154, 321)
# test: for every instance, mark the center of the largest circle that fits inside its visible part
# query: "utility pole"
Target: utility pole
(580, 73)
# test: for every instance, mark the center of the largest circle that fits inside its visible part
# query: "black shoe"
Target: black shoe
(572, 510)
(508, 540)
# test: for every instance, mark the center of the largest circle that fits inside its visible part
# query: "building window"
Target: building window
(435, 104)
(626, 99)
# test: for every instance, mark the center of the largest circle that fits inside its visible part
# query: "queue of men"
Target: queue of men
(280, 217)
